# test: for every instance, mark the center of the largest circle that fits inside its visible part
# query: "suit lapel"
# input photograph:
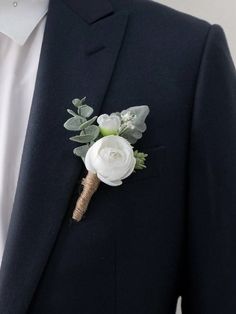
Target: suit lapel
(78, 55)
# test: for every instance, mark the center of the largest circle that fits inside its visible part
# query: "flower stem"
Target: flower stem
(90, 184)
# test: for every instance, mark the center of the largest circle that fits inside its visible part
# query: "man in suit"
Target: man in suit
(168, 230)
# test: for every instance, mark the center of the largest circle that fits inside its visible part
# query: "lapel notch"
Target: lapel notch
(91, 10)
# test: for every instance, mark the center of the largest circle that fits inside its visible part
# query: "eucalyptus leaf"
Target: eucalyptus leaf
(87, 123)
(91, 143)
(72, 112)
(82, 138)
(85, 111)
(91, 130)
(74, 123)
(81, 151)
(78, 102)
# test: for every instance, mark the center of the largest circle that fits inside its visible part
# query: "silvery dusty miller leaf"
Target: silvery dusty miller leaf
(141, 112)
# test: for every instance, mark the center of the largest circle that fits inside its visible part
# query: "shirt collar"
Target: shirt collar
(18, 18)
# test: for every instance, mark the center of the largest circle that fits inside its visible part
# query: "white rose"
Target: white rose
(109, 124)
(111, 158)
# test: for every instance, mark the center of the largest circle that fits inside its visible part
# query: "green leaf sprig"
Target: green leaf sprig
(82, 123)
(140, 160)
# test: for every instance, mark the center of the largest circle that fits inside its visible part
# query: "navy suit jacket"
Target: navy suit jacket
(168, 230)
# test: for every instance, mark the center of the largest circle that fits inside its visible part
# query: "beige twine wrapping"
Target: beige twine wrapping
(90, 184)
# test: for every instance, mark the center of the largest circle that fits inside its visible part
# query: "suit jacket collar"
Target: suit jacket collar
(77, 59)
(91, 10)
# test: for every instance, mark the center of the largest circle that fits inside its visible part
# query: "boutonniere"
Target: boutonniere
(106, 148)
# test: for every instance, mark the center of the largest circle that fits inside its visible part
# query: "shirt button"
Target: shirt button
(14, 4)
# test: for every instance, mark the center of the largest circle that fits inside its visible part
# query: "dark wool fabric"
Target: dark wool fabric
(168, 230)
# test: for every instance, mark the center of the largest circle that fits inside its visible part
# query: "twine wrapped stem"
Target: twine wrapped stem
(90, 184)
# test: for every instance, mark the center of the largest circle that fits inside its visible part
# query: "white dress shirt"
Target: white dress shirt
(22, 24)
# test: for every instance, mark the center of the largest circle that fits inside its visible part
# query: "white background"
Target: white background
(222, 12)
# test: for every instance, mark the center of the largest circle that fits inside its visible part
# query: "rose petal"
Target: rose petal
(111, 183)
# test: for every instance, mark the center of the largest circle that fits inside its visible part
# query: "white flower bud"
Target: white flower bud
(109, 124)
